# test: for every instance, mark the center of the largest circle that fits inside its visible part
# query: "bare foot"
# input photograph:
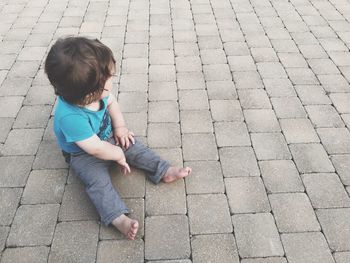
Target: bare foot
(174, 174)
(127, 226)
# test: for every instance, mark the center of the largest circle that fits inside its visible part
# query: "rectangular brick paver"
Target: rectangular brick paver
(38, 254)
(33, 225)
(164, 242)
(246, 195)
(326, 190)
(208, 214)
(129, 251)
(262, 239)
(306, 247)
(212, 248)
(293, 212)
(74, 241)
(335, 226)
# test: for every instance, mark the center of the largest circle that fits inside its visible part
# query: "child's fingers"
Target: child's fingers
(127, 168)
(127, 143)
(116, 140)
(122, 142)
(131, 138)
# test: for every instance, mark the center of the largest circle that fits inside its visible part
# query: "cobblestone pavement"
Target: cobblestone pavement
(254, 95)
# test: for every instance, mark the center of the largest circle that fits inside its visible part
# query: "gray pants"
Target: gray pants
(94, 173)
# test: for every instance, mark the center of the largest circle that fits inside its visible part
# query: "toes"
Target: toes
(134, 224)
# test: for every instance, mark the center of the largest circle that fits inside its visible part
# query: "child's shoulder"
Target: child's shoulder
(64, 108)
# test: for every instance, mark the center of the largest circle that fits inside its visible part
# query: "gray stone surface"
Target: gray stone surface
(293, 212)
(10, 106)
(231, 134)
(254, 99)
(163, 111)
(342, 257)
(193, 100)
(221, 90)
(173, 155)
(74, 242)
(276, 87)
(6, 124)
(246, 195)
(265, 260)
(280, 176)
(164, 135)
(139, 100)
(8, 203)
(162, 91)
(190, 80)
(208, 214)
(22, 141)
(159, 196)
(128, 186)
(312, 95)
(325, 190)
(214, 248)
(289, 107)
(324, 116)
(226, 110)
(38, 254)
(298, 131)
(342, 167)
(206, 177)
(33, 225)
(164, 242)
(257, 235)
(4, 231)
(136, 122)
(76, 204)
(306, 247)
(196, 121)
(340, 101)
(199, 147)
(15, 170)
(261, 120)
(311, 158)
(238, 161)
(335, 226)
(49, 156)
(33, 116)
(44, 187)
(171, 261)
(128, 251)
(270, 146)
(340, 145)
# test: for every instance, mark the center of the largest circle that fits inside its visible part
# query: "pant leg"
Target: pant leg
(95, 175)
(141, 157)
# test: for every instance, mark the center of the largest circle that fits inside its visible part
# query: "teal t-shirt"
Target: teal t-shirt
(73, 123)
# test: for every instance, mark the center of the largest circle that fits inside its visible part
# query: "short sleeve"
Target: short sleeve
(76, 128)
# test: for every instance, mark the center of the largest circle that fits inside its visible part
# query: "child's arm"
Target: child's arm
(104, 150)
(121, 132)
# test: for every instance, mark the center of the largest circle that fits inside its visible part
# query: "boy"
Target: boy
(91, 130)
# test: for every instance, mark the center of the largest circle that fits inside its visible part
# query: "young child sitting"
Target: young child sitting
(91, 130)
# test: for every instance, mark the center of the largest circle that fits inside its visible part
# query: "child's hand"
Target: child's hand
(123, 137)
(124, 166)
(125, 169)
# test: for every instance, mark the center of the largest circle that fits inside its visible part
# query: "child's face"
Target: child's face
(107, 88)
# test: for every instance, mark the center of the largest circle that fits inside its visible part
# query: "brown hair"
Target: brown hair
(78, 69)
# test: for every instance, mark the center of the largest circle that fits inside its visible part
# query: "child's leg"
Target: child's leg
(155, 168)
(94, 173)
(143, 158)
